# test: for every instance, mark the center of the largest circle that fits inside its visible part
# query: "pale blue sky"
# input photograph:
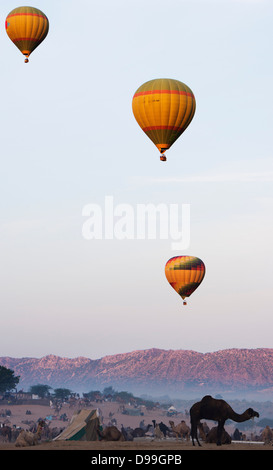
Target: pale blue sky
(69, 138)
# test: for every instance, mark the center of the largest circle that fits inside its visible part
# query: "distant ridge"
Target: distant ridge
(164, 371)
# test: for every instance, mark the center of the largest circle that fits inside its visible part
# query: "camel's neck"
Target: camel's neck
(239, 418)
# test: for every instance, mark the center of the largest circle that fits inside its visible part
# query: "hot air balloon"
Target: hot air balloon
(27, 27)
(163, 108)
(185, 274)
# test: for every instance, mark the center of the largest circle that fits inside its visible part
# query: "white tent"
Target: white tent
(82, 427)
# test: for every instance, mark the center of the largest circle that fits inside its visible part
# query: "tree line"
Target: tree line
(9, 382)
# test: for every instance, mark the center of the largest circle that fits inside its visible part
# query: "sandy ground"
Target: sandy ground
(138, 445)
(170, 444)
(18, 414)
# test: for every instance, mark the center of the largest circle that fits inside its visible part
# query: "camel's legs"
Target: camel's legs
(194, 434)
(219, 432)
(198, 441)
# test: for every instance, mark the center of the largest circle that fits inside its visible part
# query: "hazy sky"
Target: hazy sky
(69, 138)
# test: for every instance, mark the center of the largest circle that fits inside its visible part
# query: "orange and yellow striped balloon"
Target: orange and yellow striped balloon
(163, 108)
(185, 274)
(27, 27)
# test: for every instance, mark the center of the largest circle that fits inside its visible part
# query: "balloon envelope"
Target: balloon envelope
(163, 108)
(185, 274)
(27, 27)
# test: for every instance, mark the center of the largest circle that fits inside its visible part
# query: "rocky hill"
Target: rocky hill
(150, 370)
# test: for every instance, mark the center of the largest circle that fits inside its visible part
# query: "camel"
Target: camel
(111, 433)
(203, 430)
(267, 435)
(211, 437)
(217, 410)
(158, 434)
(146, 427)
(163, 428)
(139, 432)
(27, 438)
(180, 430)
(127, 433)
(6, 433)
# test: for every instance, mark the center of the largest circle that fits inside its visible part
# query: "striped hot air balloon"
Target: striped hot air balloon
(27, 27)
(163, 108)
(185, 274)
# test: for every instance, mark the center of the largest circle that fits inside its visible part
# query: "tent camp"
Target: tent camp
(82, 427)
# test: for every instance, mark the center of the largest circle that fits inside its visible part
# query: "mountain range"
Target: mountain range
(174, 372)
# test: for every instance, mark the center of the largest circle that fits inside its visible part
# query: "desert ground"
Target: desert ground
(113, 410)
(140, 444)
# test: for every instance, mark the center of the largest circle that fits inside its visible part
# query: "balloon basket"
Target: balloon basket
(184, 303)
(163, 158)
(26, 60)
